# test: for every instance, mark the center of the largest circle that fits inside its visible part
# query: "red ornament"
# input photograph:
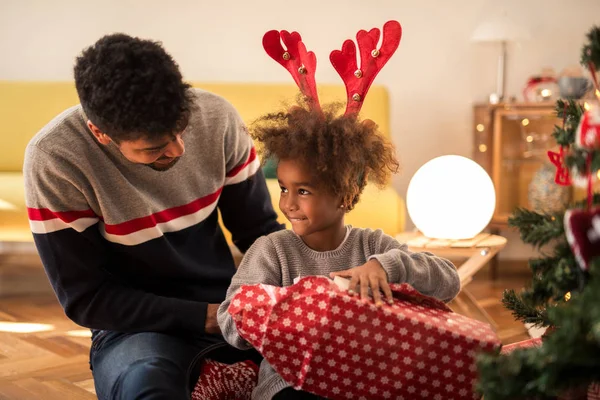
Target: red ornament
(587, 135)
(562, 172)
(583, 234)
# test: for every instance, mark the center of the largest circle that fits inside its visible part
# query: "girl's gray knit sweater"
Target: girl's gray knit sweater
(279, 258)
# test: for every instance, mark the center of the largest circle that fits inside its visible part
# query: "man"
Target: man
(122, 194)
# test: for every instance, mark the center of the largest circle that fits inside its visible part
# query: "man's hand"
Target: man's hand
(371, 274)
(211, 325)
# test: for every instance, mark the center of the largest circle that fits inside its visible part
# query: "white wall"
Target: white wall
(433, 79)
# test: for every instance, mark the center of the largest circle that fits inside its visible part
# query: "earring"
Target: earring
(342, 206)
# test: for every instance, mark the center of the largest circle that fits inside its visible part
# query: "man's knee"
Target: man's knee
(151, 378)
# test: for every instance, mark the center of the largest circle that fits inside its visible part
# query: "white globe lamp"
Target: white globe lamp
(451, 197)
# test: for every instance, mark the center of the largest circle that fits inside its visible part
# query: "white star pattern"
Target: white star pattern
(353, 344)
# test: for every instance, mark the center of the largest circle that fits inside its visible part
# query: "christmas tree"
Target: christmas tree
(565, 291)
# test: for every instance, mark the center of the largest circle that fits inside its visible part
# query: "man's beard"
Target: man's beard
(163, 167)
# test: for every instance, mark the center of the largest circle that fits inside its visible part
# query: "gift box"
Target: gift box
(321, 339)
(524, 344)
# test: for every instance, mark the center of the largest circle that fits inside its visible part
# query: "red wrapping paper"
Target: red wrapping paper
(325, 341)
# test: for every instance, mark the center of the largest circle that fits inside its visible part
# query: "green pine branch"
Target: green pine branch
(564, 137)
(536, 228)
(523, 310)
(569, 110)
(577, 160)
(591, 50)
(569, 357)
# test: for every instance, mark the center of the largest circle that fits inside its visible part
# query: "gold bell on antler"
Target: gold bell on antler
(356, 97)
(302, 70)
(358, 73)
(375, 53)
(286, 56)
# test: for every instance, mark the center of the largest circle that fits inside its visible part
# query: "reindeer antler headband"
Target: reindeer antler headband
(302, 63)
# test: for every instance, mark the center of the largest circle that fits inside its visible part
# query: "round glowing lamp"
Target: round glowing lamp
(451, 197)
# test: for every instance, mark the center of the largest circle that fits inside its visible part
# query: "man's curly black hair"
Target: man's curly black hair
(131, 88)
(342, 151)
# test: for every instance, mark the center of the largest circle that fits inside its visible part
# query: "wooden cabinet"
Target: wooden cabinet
(510, 142)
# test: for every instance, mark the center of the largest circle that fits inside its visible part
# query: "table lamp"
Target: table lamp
(451, 197)
(499, 29)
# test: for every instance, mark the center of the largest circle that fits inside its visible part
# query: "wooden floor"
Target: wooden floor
(50, 360)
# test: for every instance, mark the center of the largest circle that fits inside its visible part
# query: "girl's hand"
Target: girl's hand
(371, 274)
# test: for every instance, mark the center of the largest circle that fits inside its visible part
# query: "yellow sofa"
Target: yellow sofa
(27, 106)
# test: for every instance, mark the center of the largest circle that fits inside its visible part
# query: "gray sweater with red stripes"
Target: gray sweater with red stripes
(131, 249)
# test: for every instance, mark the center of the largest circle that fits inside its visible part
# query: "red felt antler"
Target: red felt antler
(300, 63)
(359, 80)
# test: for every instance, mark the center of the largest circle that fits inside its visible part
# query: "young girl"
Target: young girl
(324, 163)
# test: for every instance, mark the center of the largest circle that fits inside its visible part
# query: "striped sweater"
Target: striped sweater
(131, 249)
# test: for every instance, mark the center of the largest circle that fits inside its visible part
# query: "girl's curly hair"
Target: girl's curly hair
(343, 152)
